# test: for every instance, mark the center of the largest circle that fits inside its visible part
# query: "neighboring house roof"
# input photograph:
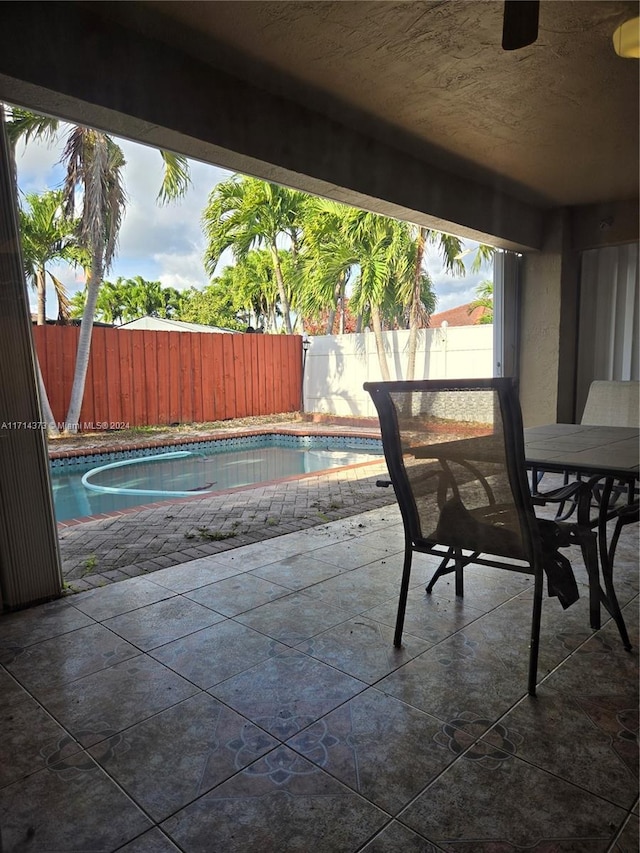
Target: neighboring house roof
(160, 324)
(459, 316)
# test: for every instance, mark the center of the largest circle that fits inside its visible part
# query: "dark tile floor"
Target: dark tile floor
(253, 701)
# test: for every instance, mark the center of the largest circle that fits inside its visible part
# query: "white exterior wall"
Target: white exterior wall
(337, 366)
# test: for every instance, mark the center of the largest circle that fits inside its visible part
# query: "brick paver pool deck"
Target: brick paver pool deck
(118, 546)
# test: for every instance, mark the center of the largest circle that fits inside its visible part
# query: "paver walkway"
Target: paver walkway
(135, 542)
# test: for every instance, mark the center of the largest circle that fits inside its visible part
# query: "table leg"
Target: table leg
(609, 599)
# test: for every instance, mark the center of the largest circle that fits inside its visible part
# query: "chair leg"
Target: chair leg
(443, 569)
(404, 590)
(459, 562)
(535, 633)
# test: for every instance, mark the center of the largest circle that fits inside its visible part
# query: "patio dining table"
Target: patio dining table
(603, 456)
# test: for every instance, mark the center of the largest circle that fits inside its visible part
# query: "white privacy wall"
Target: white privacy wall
(337, 366)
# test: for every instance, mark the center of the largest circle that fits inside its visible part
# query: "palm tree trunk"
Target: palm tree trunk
(415, 303)
(343, 295)
(41, 288)
(282, 293)
(94, 279)
(47, 414)
(331, 318)
(377, 331)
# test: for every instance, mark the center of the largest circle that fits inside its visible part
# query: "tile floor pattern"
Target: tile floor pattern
(253, 701)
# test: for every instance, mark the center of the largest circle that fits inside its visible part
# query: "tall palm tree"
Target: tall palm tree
(375, 251)
(324, 270)
(94, 164)
(418, 297)
(93, 182)
(247, 213)
(47, 235)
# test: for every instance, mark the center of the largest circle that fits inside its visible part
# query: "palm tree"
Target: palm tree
(93, 181)
(378, 247)
(324, 270)
(109, 305)
(94, 164)
(484, 293)
(373, 253)
(47, 236)
(247, 213)
(418, 297)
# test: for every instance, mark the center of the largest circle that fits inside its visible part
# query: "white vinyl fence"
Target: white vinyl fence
(338, 365)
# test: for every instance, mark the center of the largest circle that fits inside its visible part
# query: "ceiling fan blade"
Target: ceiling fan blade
(520, 24)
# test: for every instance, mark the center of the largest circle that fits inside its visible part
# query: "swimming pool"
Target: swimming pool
(102, 483)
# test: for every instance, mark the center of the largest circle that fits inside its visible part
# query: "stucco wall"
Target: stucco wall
(540, 331)
(338, 365)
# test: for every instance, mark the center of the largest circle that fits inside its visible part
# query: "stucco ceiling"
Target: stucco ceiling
(555, 123)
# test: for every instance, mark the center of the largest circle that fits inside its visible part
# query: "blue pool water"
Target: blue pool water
(122, 480)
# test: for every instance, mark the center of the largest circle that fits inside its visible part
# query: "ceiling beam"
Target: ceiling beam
(62, 59)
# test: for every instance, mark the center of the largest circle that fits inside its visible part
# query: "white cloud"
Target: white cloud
(181, 271)
(452, 291)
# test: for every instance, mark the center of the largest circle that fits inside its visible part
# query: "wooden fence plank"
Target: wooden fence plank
(174, 378)
(95, 402)
(283, 388)
(195, 369)
(64, 365)
(125, 373)
(246, 360)
(208, 390)
(292, 360)
(241, 377)
(155, 344)
(162, 377)
(112, 355)
(137, 370)
(186, 378)
(229, 378)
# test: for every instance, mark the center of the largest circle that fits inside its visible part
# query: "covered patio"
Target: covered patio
(534, 151)
(253, 701)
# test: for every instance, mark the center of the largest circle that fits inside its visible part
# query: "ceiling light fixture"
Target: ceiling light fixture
(626, 39)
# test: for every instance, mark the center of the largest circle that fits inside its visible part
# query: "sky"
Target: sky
(165, 242)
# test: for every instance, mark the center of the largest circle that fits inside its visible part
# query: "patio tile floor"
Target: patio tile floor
(252, 701)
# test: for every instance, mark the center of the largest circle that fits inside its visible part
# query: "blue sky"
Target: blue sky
(165, 243)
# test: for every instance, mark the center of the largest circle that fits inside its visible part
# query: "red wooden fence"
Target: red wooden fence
(140, 378)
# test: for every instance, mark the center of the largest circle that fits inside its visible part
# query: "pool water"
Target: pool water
(114, 483)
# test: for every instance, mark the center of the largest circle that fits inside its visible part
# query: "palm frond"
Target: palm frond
(25, 125)
(62, 295)
(483, 257)
(177, 178)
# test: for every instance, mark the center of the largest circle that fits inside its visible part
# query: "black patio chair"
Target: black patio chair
(455, 454)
